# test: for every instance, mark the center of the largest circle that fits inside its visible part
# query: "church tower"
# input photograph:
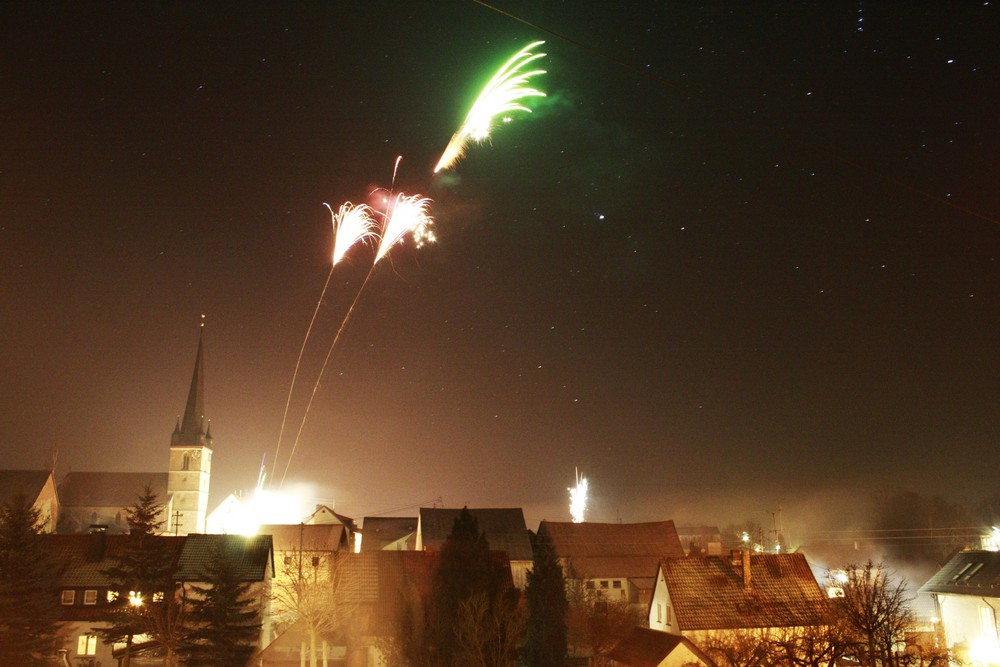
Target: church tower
(190, 469)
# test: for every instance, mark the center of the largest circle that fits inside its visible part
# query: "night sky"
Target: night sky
(742, 255)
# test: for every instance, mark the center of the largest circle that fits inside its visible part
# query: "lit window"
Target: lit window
(158, 596)
(68, 597)
(112, 596)
(86, 645)
(90, 597)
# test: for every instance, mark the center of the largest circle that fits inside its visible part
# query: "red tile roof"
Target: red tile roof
(311, 537)
(613, 550)
(708, 593)
(647, 648)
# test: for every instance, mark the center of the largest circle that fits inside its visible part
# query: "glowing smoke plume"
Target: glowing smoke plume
(500, 96)
(578, 499)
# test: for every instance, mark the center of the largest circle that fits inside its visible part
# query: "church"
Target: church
(90, 499)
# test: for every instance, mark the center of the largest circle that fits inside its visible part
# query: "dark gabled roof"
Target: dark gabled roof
(110, 489)
(643, 647)
(81, 558)
(28, 482)
(504, 529)
(575, 540)
(251, 556)
(968, 573)
(308, 537)
(708, 593)
(379, 531)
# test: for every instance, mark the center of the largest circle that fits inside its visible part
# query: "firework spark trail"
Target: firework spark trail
(351, 224)
(404, 214)
(501, 95)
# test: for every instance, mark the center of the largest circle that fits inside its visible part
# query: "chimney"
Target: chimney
(746, 569)
(97, 543)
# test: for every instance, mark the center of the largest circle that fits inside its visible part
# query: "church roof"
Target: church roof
(110, 489)
(28, 482)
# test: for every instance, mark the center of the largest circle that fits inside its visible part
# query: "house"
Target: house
(372, 590)
(389, 533)
(699, 595)
(504, 529)
(617, 560)
(651, 648)
(700, 540)
(85, 593)
(39, 488)
(966, 592)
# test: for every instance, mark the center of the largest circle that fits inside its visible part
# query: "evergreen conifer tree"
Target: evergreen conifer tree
(142, 581)
(473, 587)
(28, 588)
(547, 606)
(226, 619)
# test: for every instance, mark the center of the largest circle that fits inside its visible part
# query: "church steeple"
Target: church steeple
(192, 430)
(190, 470)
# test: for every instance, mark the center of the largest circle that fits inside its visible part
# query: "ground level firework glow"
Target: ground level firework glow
(578, 499)
(500, 96)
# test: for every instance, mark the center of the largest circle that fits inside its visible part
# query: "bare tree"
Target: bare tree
(597, 624)
(875, 612)
(487, 631)
(740, 647)
(312, 591)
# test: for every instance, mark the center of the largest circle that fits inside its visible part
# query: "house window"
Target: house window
(659, 612)
(86, 645)
(90, 597)
(186, 465)
(604, 584)
(68, 597)
(112, 596)
(590, 585)
(617, 583)
(315, 561)
(158, 596)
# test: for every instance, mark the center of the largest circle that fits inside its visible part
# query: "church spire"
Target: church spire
(192, 429)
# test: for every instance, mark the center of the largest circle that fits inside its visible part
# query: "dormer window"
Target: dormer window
(68, 597)
(90, 597)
